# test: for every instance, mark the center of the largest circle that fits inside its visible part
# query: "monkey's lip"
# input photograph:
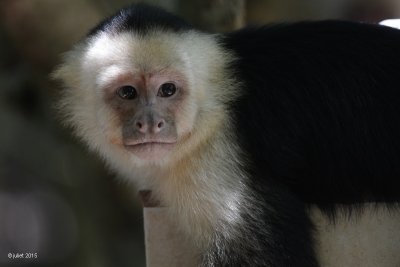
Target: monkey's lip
(149, 142)
(153, 149)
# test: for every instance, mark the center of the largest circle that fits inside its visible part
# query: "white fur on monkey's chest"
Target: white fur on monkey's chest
(368, 239)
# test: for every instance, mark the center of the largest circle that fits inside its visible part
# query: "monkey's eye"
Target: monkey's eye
(127, 92)
(167, 90)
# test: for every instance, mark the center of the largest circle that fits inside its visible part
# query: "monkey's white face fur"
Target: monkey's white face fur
(178, 143)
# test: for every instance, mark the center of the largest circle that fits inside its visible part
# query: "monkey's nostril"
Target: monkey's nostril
(160, 124)
(139, 124)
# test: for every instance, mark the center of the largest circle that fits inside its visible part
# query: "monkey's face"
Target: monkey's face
(143, 95)
(145, 99)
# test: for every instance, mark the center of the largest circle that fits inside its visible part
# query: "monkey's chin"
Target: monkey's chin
(150, 151)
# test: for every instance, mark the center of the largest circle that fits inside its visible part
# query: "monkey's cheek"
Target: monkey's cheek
(151, 151)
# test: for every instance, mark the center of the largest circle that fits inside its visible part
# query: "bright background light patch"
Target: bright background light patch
(395, 23)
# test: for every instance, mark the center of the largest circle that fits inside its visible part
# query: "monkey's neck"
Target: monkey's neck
(205, 192)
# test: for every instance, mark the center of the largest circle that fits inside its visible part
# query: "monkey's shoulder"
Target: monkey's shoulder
(311, 34)
(306, 45)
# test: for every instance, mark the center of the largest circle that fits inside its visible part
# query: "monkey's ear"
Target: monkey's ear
(67, 72)
(60, 73)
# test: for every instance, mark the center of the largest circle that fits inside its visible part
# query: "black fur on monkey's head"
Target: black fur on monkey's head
(140, 18)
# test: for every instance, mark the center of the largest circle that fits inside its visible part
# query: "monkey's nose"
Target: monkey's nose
(146, 126)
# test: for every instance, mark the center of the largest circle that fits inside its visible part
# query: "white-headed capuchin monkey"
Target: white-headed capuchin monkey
(239, 133)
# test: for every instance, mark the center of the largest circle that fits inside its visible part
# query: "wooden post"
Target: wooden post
(165, 246)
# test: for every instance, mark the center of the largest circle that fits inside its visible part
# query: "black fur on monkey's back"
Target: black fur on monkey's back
(320, 114)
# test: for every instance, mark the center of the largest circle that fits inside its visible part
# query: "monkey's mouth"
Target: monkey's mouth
(149, 149)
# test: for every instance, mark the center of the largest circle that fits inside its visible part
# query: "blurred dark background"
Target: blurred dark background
(56, 199)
